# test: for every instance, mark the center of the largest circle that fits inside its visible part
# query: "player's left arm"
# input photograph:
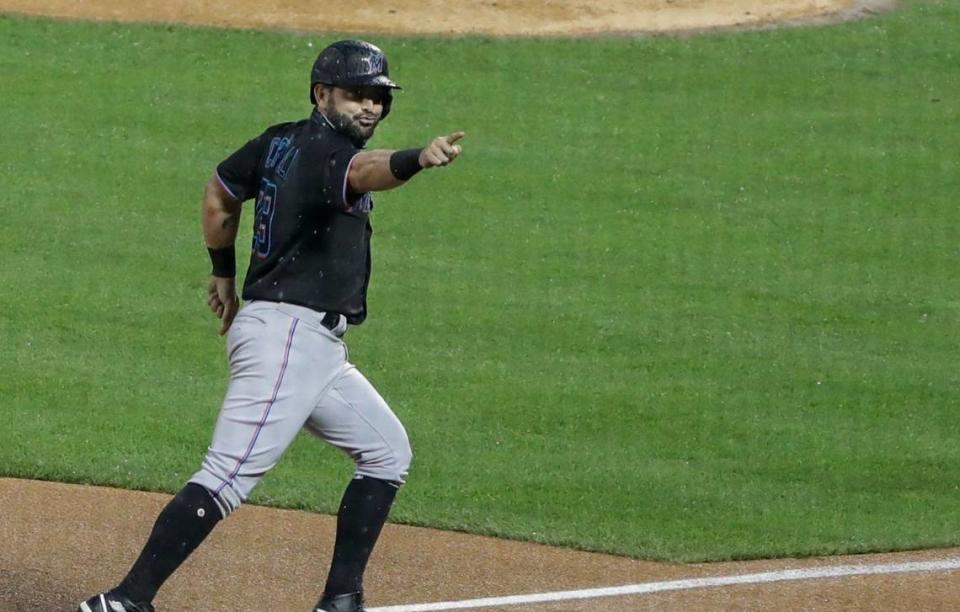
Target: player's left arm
(221, 220)
(383, 169)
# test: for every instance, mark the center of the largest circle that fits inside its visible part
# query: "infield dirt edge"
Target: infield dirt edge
(570, 18)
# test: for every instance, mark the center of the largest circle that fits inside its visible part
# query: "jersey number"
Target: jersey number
(263, 219)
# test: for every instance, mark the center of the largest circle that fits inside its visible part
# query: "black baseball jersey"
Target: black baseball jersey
(311, 236)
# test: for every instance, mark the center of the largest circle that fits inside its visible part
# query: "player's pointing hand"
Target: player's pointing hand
(441, 151)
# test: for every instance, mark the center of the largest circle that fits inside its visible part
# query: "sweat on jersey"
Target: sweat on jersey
(311, 236)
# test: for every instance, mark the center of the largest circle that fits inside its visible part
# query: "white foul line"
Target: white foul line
(678, 585)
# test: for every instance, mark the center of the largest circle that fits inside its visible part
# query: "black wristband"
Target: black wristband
(404, 164)
(224, 261)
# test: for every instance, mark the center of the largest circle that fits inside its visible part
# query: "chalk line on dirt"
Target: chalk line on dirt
(835, 571)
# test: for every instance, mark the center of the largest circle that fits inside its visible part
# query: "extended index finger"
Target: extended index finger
(454, 137)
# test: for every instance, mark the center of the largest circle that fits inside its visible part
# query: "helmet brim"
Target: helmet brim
(367, 81)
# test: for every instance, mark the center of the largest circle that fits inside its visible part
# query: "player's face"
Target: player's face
(356, 111)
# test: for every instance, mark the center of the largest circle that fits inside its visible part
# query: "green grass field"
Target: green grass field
(682, 298)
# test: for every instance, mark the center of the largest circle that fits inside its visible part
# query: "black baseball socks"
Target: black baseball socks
(363, 511)
(192, 514)
(181, 526)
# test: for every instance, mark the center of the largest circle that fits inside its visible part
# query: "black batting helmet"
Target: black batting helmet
(353, 63)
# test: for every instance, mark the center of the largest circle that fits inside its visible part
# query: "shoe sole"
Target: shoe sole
(103, 605)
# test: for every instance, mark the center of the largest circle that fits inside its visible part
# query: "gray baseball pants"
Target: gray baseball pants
(288, 372)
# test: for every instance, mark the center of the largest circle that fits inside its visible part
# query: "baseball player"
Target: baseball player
(306, 284)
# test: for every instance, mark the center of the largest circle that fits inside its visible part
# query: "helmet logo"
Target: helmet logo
(373, 64)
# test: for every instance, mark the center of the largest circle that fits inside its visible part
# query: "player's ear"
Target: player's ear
(320, 93)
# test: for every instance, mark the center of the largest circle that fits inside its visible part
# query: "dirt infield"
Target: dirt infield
(62, 542)
(495, 17)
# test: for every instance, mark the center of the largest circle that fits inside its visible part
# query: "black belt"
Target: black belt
(330, 320)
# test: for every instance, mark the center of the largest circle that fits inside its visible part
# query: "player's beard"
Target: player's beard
(348, 125)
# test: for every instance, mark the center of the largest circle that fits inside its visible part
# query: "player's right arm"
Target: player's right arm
(383, 169)
(221, 220)
(221, 215)
(234, 181)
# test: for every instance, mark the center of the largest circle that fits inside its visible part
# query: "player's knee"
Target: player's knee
(390, 463)
(397, 465)
(403, 457)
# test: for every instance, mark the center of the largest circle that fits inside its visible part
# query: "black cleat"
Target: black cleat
(112, 602)
(347, 602)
